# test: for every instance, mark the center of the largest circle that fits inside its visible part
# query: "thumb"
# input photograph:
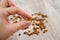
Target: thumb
(9, 29)
(16, 26)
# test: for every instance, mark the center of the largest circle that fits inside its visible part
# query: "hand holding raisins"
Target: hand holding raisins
(7, 29)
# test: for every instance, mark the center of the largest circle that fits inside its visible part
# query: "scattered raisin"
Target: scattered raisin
(45, 31)
(19, 34)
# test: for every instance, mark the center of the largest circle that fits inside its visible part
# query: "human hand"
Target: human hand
(7, 29)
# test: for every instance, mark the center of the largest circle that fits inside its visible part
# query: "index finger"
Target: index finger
(14, 10)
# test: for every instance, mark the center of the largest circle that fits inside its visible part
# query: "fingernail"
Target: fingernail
(27, 23)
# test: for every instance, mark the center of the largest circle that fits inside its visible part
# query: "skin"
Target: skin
(7, 29)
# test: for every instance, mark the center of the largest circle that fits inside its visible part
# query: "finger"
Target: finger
(14, 10)
(15, 27)
(10, 3)
(3, 3)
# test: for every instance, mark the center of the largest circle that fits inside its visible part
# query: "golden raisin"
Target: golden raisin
(44, 16)
(45, 31)
(41, 23)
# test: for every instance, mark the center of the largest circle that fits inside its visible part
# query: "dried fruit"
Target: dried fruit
(44, 16)
(38, 19)
(19, 34)
(44, 31)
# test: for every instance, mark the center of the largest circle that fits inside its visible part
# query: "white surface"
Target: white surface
(49, 7)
